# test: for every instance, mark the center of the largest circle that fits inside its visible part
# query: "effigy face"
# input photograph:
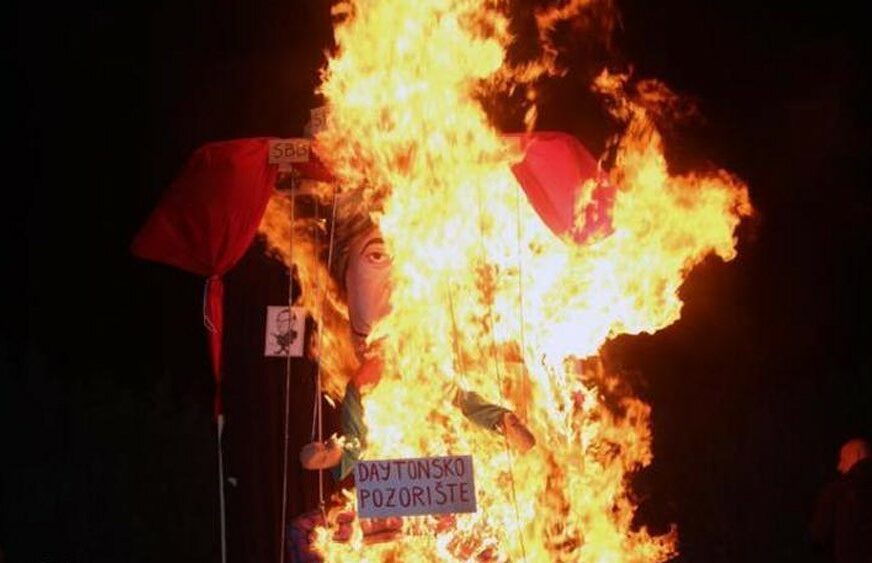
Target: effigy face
(368, 284)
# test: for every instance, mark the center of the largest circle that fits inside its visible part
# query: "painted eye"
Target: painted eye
(377, 257)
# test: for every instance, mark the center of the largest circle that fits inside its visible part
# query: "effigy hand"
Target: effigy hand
(518, 435)
(320, 455)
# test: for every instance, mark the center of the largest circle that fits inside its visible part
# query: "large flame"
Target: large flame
(487, 298)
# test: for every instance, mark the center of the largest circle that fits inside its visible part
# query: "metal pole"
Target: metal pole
(221, 502)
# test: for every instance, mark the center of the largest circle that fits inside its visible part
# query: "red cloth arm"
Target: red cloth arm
(207, 220)
(554, 168)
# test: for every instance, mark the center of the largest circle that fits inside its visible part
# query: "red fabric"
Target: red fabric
(552, 172)
(214, 311)
(207, 220)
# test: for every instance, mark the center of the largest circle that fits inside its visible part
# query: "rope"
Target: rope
(286, 445)
(317, 415)
(316, 402)
(222, 507)
(221, 497)
(455, 332)
(207, 322)
(317, 426)
(498, 371)
(522, 318)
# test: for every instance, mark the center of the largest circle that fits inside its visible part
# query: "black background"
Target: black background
(105, 393)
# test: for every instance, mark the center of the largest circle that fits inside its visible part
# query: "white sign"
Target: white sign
(285, 329)
(285, 152)
(411, 487)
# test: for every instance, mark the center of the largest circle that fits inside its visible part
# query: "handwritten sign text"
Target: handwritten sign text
(415, 486)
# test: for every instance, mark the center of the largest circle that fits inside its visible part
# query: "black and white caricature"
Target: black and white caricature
(284, 331)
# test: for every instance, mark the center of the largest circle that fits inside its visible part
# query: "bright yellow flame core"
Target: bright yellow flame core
(487, 298)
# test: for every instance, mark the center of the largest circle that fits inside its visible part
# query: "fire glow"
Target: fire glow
(487, 298)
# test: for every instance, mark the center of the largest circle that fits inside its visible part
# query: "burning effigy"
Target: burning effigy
(467, 279)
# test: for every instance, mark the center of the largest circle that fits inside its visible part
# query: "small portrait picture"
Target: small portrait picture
(285, 327)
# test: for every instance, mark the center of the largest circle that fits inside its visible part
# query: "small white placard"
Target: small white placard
(289, 151)
(285, 329)
(415, 486)
(317, 120)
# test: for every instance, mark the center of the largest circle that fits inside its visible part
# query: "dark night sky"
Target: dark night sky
(104, 390)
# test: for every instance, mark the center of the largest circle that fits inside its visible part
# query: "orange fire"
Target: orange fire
(486, 297)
